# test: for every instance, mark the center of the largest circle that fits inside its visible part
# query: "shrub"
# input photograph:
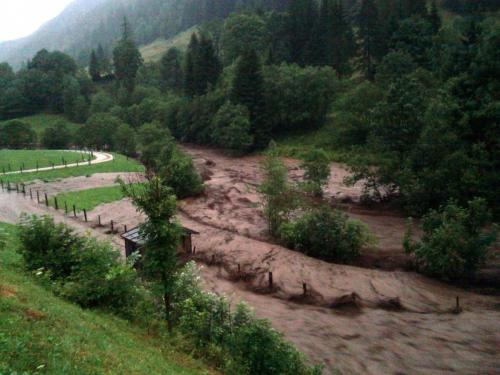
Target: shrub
(317, 171)
(181, 175)
(326, 234)
(82, 270)
(44, 244)
(237, 341)
(232, 128)
(100, 279)
(454, 243)
(17, 134)
(57, 136)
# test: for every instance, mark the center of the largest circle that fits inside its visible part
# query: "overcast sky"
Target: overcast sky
(20, 18)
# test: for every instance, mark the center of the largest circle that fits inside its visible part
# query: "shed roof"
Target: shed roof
(134, 235)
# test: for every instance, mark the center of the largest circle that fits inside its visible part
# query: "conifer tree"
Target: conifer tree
(342, 47)
(301, 22)
(321, 40)
(434, 17)
(370, 37)
(170, 70)
(102, 59)
(191, 59)
(94, 70)
(207, 66)
(127, 59)
(247, 90)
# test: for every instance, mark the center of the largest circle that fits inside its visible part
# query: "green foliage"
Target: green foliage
(83, 271)
(98, 132)
(248, 90)
(125, 140)
(162, 235)
(279, 197)
(179, 173)
(298, 99)
(317, 171)
(57, 137)
(238, 341)
(94, 69)
(101, 102)
(242, 32)
(455, 242)
(127, 60)
(171, 71)
(36, 327)
(232, 128)
(17, 134)
(326, 234)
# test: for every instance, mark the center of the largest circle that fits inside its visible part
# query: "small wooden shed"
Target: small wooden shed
(134, 241)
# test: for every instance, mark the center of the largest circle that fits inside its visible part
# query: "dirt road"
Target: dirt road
(353, 319)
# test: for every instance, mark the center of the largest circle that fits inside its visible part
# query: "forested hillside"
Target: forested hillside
(86, 23)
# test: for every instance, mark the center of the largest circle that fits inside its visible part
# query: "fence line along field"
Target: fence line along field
(22, 160)
(119, 163)
(90, 198)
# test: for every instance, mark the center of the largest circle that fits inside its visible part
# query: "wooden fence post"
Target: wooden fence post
(31, 194)
(304, 288)
(55, 203)
(46, 200)
(99, 220)
(85, 215)
(38, 197)
(17, 187)
(74, 210)
(112, 226)
(125, 228)
(66, 208)
(271, 280)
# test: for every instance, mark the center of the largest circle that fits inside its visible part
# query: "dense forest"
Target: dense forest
(409, 89)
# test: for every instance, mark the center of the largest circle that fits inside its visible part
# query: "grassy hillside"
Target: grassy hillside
(41, 334)
(119, 164)
(30, 159)
(154, 51)
(42, 121)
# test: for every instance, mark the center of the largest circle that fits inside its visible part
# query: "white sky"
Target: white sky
(20, 18)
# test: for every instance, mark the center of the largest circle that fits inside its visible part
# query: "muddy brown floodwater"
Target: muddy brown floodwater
(352, 319)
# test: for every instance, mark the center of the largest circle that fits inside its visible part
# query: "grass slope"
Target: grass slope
(90, 198)
(42, 121)
(119, 164)
(42, 334)
(154, 51)
(13, 160)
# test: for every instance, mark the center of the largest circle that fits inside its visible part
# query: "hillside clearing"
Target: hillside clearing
(154, 51)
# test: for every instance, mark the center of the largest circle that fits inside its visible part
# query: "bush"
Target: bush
(317, 171)
(17, 134)
(82, 270)
(100, 279)
(57, 136)
(326, 234)
(181, 175)
(232, 128)
(49, 246)
(454, 243)
(237, 341)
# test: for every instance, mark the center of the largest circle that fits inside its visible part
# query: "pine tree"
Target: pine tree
(434, 17)
(370, 36)
(102, 59)
(94, 70)
(247, 90)
(170, 70)
(415, 8)
(127, 59)
(321, 39)
(207, 66)
(343, 47)
(301, 21)
(191, 60)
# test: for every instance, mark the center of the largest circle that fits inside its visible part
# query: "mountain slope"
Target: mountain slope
(86, 23)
